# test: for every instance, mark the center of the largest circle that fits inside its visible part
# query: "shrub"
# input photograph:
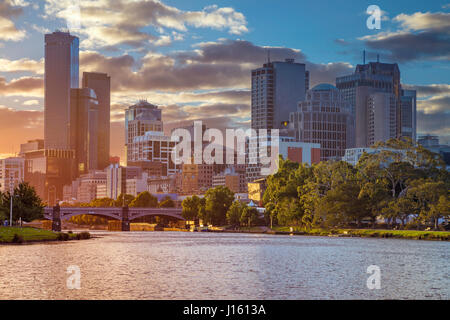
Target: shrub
(63, 236)
(83, 235)
(17, 238)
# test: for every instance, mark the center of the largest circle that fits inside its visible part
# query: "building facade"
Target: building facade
(61, 75)
(409, 114)
(84, 130)
(12, 173)
(277, 87)
(355, 89)
(101, 84)
(323, 118)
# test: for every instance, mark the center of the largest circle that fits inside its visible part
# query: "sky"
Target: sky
(193, 58)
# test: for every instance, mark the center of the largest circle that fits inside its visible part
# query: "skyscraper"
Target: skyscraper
(409, 114)
(277, 87)
(324, 118)
(61, 74)
(84, 129)
(101, 84)
(356, 88)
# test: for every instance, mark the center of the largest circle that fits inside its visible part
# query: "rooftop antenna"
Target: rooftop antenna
(268, 55)
(364, 56)
(378, 58)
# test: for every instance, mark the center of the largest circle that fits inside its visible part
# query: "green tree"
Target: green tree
(167, 202)
(144, 200)
(102, 203)
(217, 202)
(249, 216)
(428, 194)
(26, 203)
(235, 212)
(190, 208)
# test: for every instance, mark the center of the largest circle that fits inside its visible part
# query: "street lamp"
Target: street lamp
(11, 197)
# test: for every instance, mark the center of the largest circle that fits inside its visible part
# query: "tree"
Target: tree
(249, 216)
(217, 202)
(167, 202)
(235, 212)
(190, 208)
(3, 215)
(428, 194)
(144, 200)
(123, 200)
(26, 203)
(400, 209)
(102, 203)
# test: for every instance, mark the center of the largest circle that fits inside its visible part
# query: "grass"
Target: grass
(371, 233)
(27, 234)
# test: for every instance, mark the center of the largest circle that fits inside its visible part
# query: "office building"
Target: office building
(116, 179)
(12, 173)
(381, 117)
(409, 114)
(139, 119)
(101, 84)
(286, 146)
(324, 118)
(61, 75)
(232, 179)
(84, 130)
(277, 87)
(35, 165)
(355, 89)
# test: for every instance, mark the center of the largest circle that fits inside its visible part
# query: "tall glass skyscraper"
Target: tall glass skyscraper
(61, 75)
(101, 84)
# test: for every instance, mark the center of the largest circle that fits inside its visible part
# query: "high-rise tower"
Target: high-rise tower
(61, 75)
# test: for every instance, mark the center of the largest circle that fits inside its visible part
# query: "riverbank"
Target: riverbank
(30, 235)
(368, 233)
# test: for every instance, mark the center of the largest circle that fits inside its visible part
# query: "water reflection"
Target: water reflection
(165, 265)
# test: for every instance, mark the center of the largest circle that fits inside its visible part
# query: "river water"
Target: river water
(177, 265)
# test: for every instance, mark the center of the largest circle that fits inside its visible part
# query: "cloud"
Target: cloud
(422, 36)
(17, 127)
(20, 65)
(127, 22)
(24, 86)
(428, 90)
(10, 9)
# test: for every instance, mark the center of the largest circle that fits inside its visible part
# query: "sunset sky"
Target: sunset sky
(193, 58)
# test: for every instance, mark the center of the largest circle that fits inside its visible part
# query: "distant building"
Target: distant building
(116, 179)
(277, 87)
(35, 165)
(155, 149)
(139, 119)
(61, 75)
(288, 148)
(84, 130)
(353, 155)
(431, 143)
(12, 173)
(256, 191)
(162, 184)
(137, 185)
(101, 84)
(324, 118)
(87, 188)
(235, 181)
(356, 88)
(196, 178)
(381, 117)
(409, 114)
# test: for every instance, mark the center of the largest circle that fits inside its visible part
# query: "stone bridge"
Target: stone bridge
(124, 214)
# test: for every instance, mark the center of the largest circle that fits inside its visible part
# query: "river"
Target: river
(177, 265)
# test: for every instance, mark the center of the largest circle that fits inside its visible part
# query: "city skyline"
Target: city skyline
(204, 72)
